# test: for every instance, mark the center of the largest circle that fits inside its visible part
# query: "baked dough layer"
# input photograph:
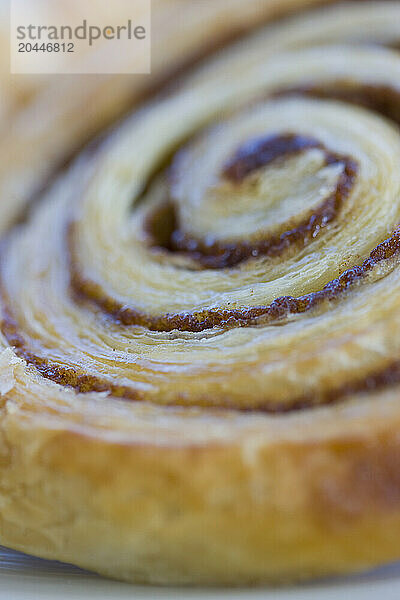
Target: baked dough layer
(199, 368)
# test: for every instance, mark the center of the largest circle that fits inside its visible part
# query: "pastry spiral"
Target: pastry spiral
(200, 322)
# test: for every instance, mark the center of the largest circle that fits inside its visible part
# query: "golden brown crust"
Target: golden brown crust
(148, 453)
(249, 513)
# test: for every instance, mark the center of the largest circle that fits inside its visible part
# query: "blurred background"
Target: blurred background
(46, 119)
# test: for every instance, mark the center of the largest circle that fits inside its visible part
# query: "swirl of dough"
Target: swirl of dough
(200, 323)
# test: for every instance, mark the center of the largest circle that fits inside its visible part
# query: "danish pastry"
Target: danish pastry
(200, 322)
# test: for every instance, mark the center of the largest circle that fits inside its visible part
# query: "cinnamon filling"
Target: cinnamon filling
(163, 225)
(164, 228)
(84, 383)
(228, 318)
(261, 152)
(67, 376)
